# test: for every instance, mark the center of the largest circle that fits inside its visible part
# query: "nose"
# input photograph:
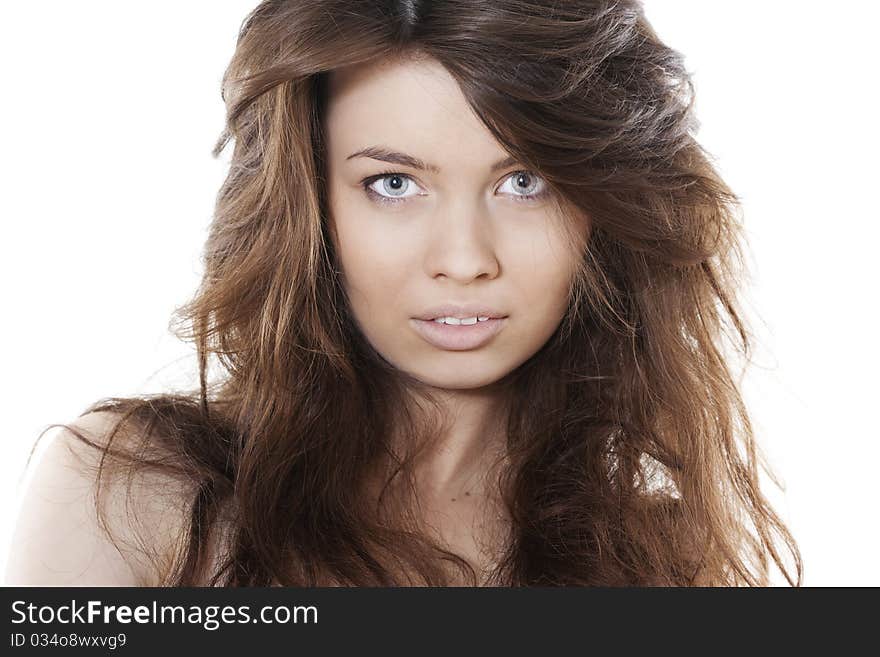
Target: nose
(461, 246)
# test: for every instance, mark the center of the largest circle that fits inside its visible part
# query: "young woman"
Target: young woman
(465, 295)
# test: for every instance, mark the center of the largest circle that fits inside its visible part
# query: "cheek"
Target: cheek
(546, 297)
(543, 269)
(358, 247)
(375, 272)
(372, 259)
(547, 303)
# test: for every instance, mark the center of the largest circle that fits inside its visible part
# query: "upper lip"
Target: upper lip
(460, 311)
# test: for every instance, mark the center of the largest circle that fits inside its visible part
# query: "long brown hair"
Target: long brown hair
(630, 456)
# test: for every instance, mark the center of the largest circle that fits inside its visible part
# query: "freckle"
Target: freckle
(466, 493)
(453, 499)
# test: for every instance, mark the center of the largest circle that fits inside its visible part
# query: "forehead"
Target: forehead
(409, 105)
(374, 80)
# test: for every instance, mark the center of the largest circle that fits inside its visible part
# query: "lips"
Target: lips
(458, 337)
(461, 311)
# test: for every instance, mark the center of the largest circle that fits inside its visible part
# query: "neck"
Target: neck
(472, 440)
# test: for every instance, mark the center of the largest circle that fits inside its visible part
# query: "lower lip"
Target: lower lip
(458, 337)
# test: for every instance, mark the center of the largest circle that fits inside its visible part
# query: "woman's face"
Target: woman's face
(459, 232)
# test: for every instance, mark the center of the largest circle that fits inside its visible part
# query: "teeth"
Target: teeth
(467, 321)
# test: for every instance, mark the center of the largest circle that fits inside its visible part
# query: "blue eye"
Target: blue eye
(392, 183)
(394, 186)
(525, 184)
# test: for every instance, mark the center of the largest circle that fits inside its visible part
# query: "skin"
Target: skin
(460, 234)
(57, 539)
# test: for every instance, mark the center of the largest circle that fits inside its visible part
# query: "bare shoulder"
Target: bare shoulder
(61, 539)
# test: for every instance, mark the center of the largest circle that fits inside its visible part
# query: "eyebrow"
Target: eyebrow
(396, 157)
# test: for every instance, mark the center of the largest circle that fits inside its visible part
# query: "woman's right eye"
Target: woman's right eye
(392, 187)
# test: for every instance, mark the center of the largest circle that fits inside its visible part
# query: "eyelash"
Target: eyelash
(367, 182)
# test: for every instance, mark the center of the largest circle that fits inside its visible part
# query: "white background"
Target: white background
(109, 112)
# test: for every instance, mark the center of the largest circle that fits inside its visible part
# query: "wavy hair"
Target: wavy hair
(630, 458)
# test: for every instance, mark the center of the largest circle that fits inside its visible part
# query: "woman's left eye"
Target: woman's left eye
(524, 185)
(393, 186)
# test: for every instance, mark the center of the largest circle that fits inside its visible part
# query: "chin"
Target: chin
(459, 380)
